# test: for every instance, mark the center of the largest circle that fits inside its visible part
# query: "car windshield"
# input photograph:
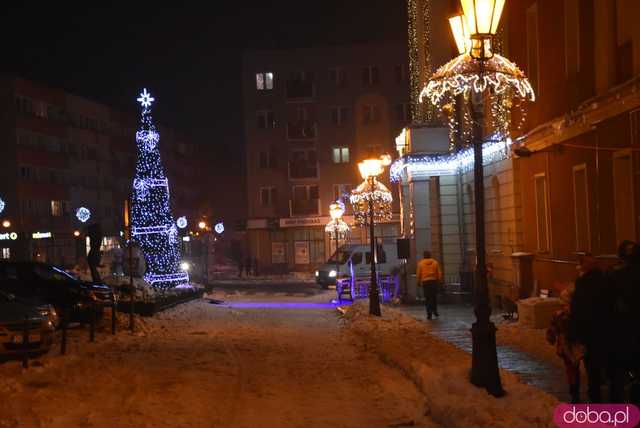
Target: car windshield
(339, 257)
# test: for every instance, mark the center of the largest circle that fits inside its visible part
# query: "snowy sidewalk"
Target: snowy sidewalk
(542, 371)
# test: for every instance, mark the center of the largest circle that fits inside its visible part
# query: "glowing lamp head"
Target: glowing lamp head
(460, 32)
(6, 224)
(370, 168)
(219, 228)
(76, 233)
(483, 17)
(202, 225)
(185, 266)
(336, 210)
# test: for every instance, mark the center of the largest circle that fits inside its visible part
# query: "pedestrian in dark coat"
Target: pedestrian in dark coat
(625, 280)
(589, 318)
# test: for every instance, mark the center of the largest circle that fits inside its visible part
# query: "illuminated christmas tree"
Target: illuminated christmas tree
(152, 224)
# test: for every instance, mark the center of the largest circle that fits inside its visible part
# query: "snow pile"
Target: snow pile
(441, 371)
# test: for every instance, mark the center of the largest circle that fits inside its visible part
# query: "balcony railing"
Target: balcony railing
(302, 131)
(303, 169)
(300, 90)
(304, 207)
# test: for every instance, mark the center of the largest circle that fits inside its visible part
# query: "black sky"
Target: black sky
(188, 55)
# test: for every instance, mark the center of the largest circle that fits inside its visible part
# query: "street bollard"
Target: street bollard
(65, 323)
(92, 323)
(114, 309)
(25, 343)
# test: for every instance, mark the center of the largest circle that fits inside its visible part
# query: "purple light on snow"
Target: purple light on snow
(282, 305)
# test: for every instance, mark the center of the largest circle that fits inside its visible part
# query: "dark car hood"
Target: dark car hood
(13, 312)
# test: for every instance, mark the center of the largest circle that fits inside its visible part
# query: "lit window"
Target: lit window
(340, 155)
(56, 208)
(264, 81)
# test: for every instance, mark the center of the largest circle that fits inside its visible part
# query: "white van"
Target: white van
(355, 259)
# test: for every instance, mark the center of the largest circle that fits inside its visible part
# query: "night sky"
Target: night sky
(188, 56)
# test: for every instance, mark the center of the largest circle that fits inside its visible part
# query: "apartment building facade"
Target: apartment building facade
(310, 116)
(62, 152)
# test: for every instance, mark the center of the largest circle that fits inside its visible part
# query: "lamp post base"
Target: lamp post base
(484, 358)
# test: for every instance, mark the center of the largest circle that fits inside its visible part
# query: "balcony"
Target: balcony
(300, 90)
(299, 170)
(304, 207)
(302, 131)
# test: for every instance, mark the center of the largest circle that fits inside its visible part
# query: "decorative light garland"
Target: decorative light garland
(2, 205)
(219, 228)
(461, 75)
(83, 214)
(495, 149)
(379, 195)
(181, 222)
(153, 226)
(337, 226)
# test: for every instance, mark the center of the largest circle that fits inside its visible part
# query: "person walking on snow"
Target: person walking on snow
(569, 351)
(429, 276)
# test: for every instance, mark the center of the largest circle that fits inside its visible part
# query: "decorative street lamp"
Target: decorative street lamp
(371, 202)
(337, 228)
(470, 74)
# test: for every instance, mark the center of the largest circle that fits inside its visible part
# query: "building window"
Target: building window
(572, 37)
(24, 105)
(581, 208)
(542, 212)
(402, 112)
(305, 200)
(337, 76)
(6, 253)
(56, 208)
(401, 73)
(266, 119)
(623, 196)
(342, 191)
(339, 115)
(302, 114)
(370, 75)
(268, 196)
(370, 114)
(264, 81)
(372, 150)
(268, 160)
(533, 55)
(340, 155)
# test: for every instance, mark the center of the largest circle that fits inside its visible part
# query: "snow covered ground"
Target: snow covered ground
(441, 371)
(261, 360)
(205, 365)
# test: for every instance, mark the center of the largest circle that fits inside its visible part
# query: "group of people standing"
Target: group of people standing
(599, 327)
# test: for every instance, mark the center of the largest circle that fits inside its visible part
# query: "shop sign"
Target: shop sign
(41, 235)
(278, 254)
(301, 249)
(12, 236)
(303, 221)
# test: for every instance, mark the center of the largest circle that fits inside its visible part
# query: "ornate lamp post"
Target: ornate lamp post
(204, 227)
(475, 69)
(372, 202)
(337, 228)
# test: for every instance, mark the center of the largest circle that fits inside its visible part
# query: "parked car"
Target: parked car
(40, 328)
(354, 260)
(43, 283)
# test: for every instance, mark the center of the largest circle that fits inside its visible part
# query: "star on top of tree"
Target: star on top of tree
(145, 98)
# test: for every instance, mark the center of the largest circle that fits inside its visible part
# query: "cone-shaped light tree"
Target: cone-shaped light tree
(152, 224)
